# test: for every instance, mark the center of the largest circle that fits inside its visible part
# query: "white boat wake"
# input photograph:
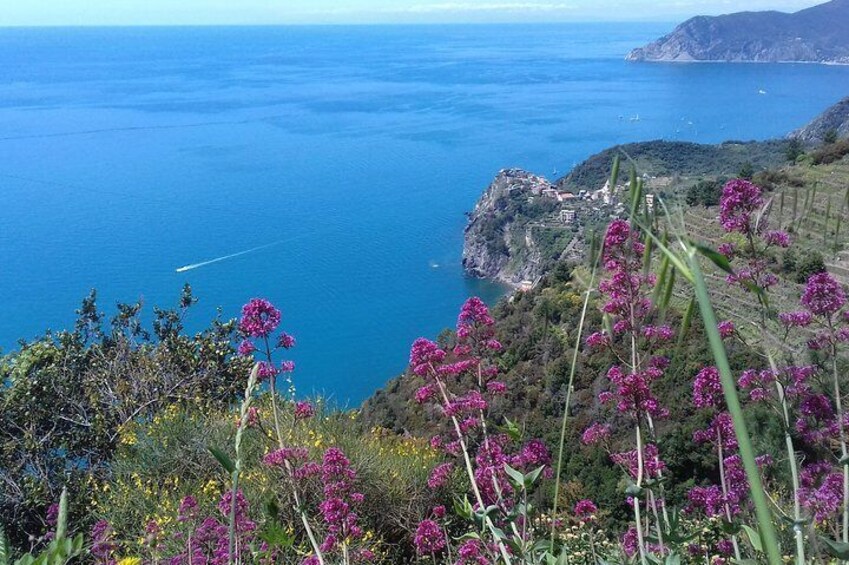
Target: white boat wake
(193, 266)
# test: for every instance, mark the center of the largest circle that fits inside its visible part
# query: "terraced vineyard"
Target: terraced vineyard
(810, 202)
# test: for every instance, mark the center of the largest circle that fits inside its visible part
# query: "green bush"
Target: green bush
(67, 395)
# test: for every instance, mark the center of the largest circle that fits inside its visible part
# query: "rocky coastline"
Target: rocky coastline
(814, 35)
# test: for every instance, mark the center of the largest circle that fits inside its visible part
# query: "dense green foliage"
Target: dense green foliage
(668, 158)
(67, 396)
(537, 329)
(704, 193)
(830, 152)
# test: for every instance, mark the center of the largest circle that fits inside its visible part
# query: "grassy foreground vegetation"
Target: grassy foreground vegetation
(195, 449)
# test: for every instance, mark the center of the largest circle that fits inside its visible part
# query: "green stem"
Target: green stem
(243, 413)
(569, 387)
(838, 402)
(798, 533)
(471, 473)
(637, 521)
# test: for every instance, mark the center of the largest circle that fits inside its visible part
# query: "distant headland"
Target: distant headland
(815, 35)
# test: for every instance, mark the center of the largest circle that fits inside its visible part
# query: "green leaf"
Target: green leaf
(275, 535)
(5, 551)
(634, 490)
(223, 459)
(673, 559)
(533, 476)
(27, 559)
(512, 430)
(272, 509)
(62, 518)
(836, 549)
(463, 508)
(514, 546)
(715, 257)
(754, 538)
(516, 477)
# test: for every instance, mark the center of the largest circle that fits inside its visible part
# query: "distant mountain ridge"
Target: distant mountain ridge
(819, 34)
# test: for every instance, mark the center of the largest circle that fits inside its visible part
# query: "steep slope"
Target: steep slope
(514, 234)
(835, 119)
(818, 34)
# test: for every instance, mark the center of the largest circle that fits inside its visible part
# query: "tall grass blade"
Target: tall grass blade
(647, 255)
(663, 305)
(729, 387)
(614, 173)
(567, 402)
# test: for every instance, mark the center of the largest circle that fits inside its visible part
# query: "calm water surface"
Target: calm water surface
(128, 153)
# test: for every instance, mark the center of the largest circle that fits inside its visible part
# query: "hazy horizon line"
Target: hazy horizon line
(339, 24)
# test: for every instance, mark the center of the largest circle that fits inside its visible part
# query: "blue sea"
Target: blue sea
(348, 155)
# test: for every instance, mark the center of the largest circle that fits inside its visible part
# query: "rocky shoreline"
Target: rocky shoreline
(814, 35)
(489, 249)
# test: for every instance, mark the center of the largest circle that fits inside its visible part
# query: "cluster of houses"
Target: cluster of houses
(585, 200)
(605, 196)
(604, 202)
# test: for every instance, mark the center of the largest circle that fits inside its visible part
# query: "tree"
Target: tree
(794, 150)
(830, 137)
(810, 264)
(704, 193)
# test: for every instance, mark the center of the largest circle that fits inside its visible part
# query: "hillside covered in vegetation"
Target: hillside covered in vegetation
(594, 417)
(524, 224)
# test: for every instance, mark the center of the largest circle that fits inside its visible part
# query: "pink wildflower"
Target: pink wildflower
(259, 318)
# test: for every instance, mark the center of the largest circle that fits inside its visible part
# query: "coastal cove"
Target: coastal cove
(328, 169)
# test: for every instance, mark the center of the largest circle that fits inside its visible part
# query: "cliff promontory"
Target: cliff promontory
(815, 35)
(523, 223)
(509, 237)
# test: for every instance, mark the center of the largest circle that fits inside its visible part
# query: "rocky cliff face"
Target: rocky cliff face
(819, 34)
(835, 119)
(497, 245)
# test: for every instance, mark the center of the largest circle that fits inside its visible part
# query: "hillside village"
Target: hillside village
(604, 200)
(524, 223)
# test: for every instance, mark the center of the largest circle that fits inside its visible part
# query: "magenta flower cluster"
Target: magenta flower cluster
(260, 319)
(742, 210)
(200, 539)
(739, 204)
(462, 382)
(429, 538)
